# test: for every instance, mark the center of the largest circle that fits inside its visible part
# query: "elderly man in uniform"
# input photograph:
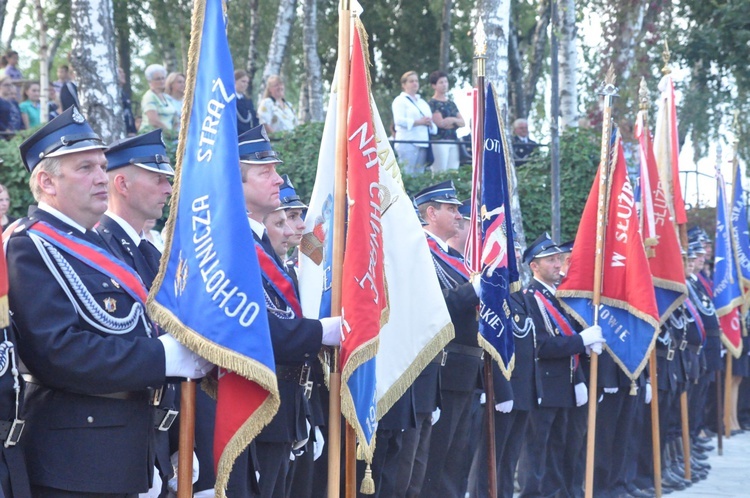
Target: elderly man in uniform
(95, 365)
(296, 340)
(461, 373)
(139, 173)
(558, 378)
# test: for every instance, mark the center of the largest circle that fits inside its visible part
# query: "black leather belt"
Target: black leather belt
(10, 431)
(163, 418)
(665, 353)
(467, 350)
(118, 395)
(296, 373)
(694, 348)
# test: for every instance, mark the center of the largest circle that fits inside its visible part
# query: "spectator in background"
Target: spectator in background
(274, 112)
(246, 118)
(5, 219)
(446, 117)
(413, 119)
(157, 111)
(175, 90)
(127, 105)
(10, 114)
(523, 146)
(69, 92)
(53, 104)
(12, 68)
(63, 76)
(30, 111)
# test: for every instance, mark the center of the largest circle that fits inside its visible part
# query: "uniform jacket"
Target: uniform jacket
(71, 345)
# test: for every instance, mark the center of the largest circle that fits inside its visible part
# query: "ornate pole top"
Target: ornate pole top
(480, 40)
(608, 88)
(666, 55)
(643, 101)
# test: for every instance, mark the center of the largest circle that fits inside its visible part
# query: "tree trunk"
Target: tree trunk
(568, 65)
(122, 29)
(53, 48)
(164, 17)
(314, 84)
(515, 75)
(43, 65)
(445, 36)
(16, 18)
(3, 9)
(496, 17)
(281, 31)
(94, 59)
(252, 51)
(539, 45)
(303, 115)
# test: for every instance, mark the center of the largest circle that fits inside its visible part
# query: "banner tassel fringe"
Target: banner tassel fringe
(633, 388)
(368, 484)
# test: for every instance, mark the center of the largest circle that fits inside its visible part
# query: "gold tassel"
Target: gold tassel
(368, 484)
(4, 312)
(360, 452)
(633, 388)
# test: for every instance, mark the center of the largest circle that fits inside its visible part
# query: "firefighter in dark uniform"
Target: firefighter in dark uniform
(558, 380)
(95, 365)
(461, 373)
(296, 340)
(139, 173)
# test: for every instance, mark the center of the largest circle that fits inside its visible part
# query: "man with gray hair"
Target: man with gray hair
(523, 146)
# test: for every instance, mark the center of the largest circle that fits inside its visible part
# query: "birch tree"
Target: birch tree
(568, 55)
(313, 83)
(43, 64)
(445, 35)
(94, 59)
(252, 52)
(280, 38)
(495, 15)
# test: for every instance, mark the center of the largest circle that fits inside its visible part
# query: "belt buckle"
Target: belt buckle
(304, 380)
(156, 396)
(683, 345)
(444, 358)
(670, 355)
(168, 420)
(14, 433)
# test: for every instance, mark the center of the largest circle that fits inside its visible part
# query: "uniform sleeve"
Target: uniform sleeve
(461, 303)
(558, 346)
(295, 340)
(54, 346)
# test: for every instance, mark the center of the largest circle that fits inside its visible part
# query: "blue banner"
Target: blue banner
(740, 233)
(499, 266)
(209, 293)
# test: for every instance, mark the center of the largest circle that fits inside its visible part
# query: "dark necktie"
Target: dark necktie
(151, 256)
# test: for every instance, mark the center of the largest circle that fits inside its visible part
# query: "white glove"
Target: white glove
(595, 348)
(476, 282)
(483, 398)
(723, 353)
(504, 407)
(611, 390)
(648, 394)
(175, 459)
(331, 330)
(582, 394)
(435, 416)
(592, 335)
(318, 444)
(155, 489)
(181, 362)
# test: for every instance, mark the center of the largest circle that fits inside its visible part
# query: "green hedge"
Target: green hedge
(14, 176)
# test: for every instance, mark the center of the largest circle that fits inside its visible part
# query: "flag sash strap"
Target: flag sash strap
(95, 257)
(560, 322)
(278, 279)
(697, 317)
(706, 284)
(454, 262)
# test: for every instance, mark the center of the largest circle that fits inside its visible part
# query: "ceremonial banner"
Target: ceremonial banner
(418, 324)
(628, 314)
(740, 234)
(727, 293)
(658, 230)
(499, 269)
(667, 149)
(208, 293)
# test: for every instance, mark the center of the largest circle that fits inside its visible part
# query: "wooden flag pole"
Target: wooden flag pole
(187, 440)
(339, 212)
(609, 91)
(480, 50)
(728, 396)
(685, 434)
(719, 416)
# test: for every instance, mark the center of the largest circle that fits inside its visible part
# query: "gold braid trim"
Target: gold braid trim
(4, 312)
(490, 349)
(736, 351)
(359, 357)
(673, 286)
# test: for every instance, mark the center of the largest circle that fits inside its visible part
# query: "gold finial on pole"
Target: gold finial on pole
(665, 56)
(643, 101)
(480, 48)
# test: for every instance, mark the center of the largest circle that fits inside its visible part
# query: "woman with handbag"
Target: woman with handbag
(412, 118)
(447, 118)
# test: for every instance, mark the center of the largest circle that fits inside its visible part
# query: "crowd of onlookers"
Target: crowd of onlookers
(160, 106)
